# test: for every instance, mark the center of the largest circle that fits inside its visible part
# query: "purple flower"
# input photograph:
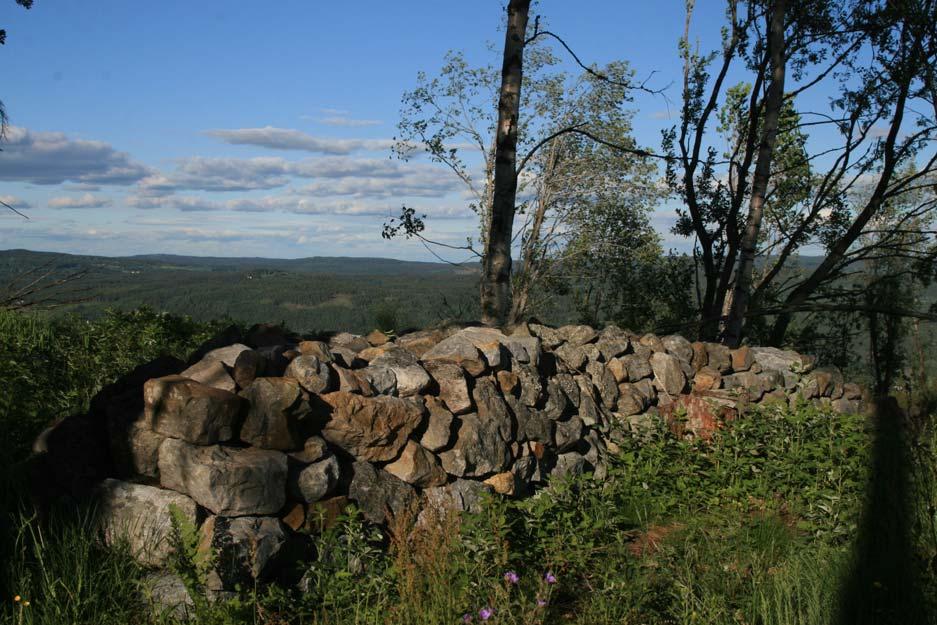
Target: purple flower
(485, 613)
(466, 618)
(511, 577)
(541, 602)
(550, 577)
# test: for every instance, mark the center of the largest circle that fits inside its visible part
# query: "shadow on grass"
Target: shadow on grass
(884, 586)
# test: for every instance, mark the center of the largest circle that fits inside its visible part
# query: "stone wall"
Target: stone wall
(260, 439)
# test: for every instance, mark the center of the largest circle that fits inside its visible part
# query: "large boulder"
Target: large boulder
(371, 428)
(140, 516)
(277, 410)
(182, 408)
(228, 481)
(459, 350)
(380, 496)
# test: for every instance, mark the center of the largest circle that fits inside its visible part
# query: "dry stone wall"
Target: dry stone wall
(261, 439)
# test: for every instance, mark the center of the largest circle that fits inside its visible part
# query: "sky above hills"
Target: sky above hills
(256, 129)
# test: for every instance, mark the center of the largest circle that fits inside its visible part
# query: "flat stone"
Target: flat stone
(140, 515)
(182, 408)
(277, 410)
(460, 350)
(371, 428)
(312, 374)
(418, 343)
(227, 355)
(211, 373)
(226, 480)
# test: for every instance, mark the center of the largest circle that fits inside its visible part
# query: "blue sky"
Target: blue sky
(257, 129)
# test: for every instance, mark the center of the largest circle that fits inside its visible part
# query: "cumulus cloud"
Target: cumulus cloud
(81, 201)
(288, 139)
(53, 158)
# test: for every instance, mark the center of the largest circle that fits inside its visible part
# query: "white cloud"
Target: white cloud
(82, 201)
(349, 122)
(288, 139)
(14, 201)
(53, 158)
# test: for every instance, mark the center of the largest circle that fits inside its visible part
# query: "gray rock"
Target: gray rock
(568, 434)
(276, 414)
(574, 356)
(354, 381)
(348, 358)
(570, 387)
(613, 341)
(438, 427)
(578, 335)
(371, 428)
(630, 400)
(638, 366)
(227, 481)
(380, 496)
(167, 595)
(557, 405)
(652, 342)
(720, 357)
(453, 388)
(570, 464)
(679, 347)
(312, 374)
(668, 373)
(454, 498)
(182, 408)
(246, 549)
(459, 350)
(354, 342)
(314, 481)
(381, 379)
(550, 337)
(605, 383)
(211, 373)
(479, 449)
(140, 516)
(228, 355)
(412, 379)
(316, 348)
(314, 449)
(492, 408)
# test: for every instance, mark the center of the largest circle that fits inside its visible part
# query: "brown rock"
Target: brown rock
(453, 387)
(376, 338)
(276, 411)
(371, 428)
(509, 383)
(324, 514)
(719, 357)
(668, 373)
(438, 427)
(700, 356)
(250, 364)
(210, 373)
(371, 353)
(742, 358)
(502, 483)
(417, 466)
(353, 381)
(295, 518)
(311, 373)
(316, 348)
(182, 408)
(418, 343)
(706, 379)
(458, 350)
(618, 369)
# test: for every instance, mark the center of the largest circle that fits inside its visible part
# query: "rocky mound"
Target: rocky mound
(261, 439)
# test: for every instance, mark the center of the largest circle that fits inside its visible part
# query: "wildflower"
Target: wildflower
(511, 577)
(485, 613)
(466, 618)
(541, 602)
(16, 599)
(550, 577)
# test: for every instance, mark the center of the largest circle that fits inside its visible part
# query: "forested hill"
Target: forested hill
(314, 293)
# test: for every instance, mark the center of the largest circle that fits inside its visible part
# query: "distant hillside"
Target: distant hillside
(307, 293)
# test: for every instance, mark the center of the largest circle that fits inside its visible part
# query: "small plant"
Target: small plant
(191, 561)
